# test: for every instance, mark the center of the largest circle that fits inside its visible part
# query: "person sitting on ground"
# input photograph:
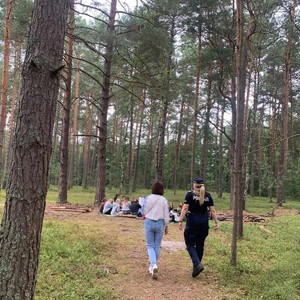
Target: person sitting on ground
(134, 207)
(107, 206)
(174, 216)
(116, 207)
(125, 210)
(142, 203)
(101, 206)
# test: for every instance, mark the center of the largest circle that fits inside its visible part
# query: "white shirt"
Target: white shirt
(157, 208)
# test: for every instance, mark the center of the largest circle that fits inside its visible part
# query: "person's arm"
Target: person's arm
(184, 210)
(166, 215)
(214, 216)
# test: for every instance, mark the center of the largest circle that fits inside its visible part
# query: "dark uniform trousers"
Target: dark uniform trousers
(195, 233)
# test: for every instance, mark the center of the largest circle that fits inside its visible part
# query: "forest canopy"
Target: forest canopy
(173, 95)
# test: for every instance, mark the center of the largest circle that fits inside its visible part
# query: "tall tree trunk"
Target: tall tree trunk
(104, 101)
(204, 152)
(64, 141)
(11, 125)
(148, 156)
(282, 160)
(114, 146)
(253, 140)
(75, 122)
(186, 150)
(160, 150)
(136, 166)
(247, 135)
(260, 152)
(4, 84)
(241, 63)
(196, 105)
(220, 167)
(86, 145)
(178, 146)
(233, 138)
(272, 150)
(130, 150)
(21, 227)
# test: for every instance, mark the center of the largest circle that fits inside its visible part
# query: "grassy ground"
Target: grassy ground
(88, 256)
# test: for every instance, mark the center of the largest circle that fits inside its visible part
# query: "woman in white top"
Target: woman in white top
(156, 224)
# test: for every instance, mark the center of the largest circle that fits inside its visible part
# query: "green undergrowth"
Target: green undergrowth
(73, 262)
(267, 261)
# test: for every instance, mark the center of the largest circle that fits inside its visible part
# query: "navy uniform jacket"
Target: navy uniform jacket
(193, 201)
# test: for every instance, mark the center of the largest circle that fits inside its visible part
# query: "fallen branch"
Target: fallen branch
(246, 218)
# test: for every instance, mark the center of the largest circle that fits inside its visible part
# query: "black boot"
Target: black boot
(197, 270)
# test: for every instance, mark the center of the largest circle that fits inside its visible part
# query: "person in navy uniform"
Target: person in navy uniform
(196, 206)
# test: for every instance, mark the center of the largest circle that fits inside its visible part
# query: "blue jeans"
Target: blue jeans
(195, 233)
(154, 231)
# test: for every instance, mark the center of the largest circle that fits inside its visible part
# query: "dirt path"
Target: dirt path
(129, 274)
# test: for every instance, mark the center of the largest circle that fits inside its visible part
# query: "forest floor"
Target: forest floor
(130, 276)
(128, 266)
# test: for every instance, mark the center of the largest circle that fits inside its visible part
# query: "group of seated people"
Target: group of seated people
(122, 206)
(175, 212)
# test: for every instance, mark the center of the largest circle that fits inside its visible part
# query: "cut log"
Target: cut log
(70, 209)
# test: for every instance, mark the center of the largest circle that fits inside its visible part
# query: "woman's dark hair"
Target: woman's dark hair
(157, 188)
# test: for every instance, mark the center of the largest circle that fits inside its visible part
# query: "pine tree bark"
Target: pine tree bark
(272, 150)
(220, 167)
(86, 145)
(73, 160)
(64, 141)
(253, 144)
(136, 166)
(241, 63)
(204, 152)
(282, 160)
(196, 105)
(148, 155)
(12, 121)
(129, 174)
(101, 163)
(20, 233)
(259, 166)
(4, 84)
(160, 150)
(178, 146)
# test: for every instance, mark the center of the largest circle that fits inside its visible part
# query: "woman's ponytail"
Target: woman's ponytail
(201, 194)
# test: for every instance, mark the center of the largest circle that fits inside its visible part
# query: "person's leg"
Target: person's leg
(150, 241)
(202, 234)
(158, 236)
(190, 236)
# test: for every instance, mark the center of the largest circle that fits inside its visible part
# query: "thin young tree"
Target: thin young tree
(21, 227)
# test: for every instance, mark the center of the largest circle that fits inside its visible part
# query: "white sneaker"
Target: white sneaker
(150, 270)
(154, 272)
